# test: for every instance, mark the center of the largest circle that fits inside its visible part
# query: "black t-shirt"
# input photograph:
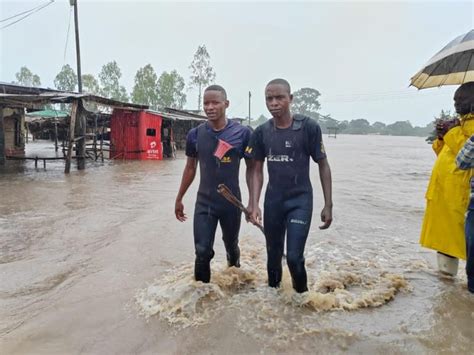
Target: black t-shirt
(287, 152)
(219, 154)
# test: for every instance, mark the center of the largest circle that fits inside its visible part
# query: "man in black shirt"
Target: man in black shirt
(287, 142)
(218, 146)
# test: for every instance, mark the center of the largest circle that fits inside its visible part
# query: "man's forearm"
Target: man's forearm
(256, 186)
(326, 183)
(188, 177)
(248, 177)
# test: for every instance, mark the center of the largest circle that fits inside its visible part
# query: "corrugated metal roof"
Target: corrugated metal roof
(184, 112)
(62, 97)
(11, 88)
(173, 116)
(18, 95)
(179, 117)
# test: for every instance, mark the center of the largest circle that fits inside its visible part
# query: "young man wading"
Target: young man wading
(287, 142)
(217, 146)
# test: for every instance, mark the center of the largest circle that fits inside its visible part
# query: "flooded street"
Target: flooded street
(95, 262)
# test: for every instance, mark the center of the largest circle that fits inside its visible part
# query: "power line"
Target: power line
(28, 13)
(67, 35)
(19, 14)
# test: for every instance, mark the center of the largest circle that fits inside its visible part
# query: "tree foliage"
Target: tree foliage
(109, 78)
(90, 84)
(305, 102)
(66, 79)
(171, 90)
(26, 78)
(202, 72)
(145, 90)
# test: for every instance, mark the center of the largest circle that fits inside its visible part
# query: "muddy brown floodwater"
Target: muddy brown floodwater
(96, 263)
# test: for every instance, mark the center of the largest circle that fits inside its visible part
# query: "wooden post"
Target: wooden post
(36, 162)
(81, 143)
(2, 138)
(102, 143)
(72, 126)
(56, 135)
(95, 137)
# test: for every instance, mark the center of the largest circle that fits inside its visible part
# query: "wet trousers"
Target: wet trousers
(205, 225)
(293, 217)
(469, 229)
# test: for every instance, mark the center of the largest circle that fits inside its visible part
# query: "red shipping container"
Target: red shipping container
(135, 135)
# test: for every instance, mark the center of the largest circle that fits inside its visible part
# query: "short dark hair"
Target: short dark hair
(467, 87)
(217, 88)
(280, 82)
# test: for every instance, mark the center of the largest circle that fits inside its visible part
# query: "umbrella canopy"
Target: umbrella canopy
(453, 65)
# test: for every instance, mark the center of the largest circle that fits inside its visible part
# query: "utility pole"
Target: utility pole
(81, 122)
(78, 49)
(250, 98)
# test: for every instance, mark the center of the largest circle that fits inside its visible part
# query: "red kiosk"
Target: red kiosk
(137, 135)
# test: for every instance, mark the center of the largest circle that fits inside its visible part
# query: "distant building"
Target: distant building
(149, 135)
(14, 131)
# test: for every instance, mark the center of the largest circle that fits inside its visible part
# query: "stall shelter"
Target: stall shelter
(136, 135)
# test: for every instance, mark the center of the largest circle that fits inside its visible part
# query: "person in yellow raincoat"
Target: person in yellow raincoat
(447, 196)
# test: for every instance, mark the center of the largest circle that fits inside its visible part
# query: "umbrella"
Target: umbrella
(452, 65)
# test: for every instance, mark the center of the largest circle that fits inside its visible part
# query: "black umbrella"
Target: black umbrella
(453, 65)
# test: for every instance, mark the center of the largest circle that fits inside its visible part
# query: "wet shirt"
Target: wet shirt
(287, 152)
(219, 154)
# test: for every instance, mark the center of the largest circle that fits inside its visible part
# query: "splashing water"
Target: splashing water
(273, 315)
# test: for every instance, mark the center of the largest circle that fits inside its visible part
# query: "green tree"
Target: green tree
(378, 127)
(26, 78)
(171, 90)
(90, 84)
(359, 126)
(66, 79)
(305, 102)
(145, 90)
(202, 72)
(110, 86)
(424, 131)
(326, 122)
(399, 128)
(342, 126)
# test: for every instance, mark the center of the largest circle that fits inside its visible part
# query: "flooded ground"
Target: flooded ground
(96, 263)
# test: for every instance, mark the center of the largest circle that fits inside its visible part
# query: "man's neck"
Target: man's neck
(284, 121)
(218, 124)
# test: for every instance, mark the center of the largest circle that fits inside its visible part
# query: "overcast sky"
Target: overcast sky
(359, 55)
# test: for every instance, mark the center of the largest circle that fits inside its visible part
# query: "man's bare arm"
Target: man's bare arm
(188, 177)
(326, 184)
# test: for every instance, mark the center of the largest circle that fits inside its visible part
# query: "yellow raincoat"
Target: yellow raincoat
(447, 196)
